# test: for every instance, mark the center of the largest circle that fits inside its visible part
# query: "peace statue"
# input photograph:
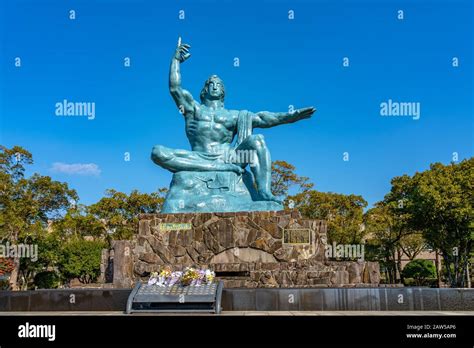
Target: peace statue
(212, 177)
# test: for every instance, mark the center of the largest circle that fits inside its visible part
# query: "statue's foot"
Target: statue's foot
(268, 196)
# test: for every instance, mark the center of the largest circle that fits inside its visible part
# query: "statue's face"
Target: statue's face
(215, 89)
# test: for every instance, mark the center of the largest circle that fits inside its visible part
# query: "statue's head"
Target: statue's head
(213, 89)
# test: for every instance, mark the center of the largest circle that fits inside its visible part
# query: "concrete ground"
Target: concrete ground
(254, 313)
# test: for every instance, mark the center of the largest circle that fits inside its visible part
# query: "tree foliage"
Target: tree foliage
(419, 270)
(37, 210)
(119, 212)
(343, 213)
(438, 203)
(79, 222)
(81, 259)
(412, 245)
(284, 178)
(386, 228)
(442, 207)
(27, 204)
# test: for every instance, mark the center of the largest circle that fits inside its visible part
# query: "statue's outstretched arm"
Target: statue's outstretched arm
(183, 99)
(267, 119)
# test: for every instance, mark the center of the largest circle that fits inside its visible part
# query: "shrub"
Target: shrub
(431, 282)
(419, 270)
(81, 259)
(47, 280)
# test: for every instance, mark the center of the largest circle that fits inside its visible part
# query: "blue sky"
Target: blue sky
(282, 62)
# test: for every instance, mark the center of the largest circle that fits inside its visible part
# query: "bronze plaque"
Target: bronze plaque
(175, 226)
(297, 236)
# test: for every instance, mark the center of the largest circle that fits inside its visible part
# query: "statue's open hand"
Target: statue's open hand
(182, 51)
(305, 112)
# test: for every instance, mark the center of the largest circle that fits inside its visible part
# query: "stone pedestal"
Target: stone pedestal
(214, 191)
(245, 249)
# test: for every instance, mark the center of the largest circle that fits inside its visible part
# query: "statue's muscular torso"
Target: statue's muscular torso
(210, 130)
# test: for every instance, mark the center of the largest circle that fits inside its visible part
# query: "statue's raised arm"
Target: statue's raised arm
(183, 99)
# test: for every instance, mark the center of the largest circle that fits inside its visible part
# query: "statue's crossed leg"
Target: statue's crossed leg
(176, 160)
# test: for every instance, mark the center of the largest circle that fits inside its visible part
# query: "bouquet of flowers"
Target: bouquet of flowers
(153, 278)
(164, 276)
(190, 276)
(210, 275)
(175, 277)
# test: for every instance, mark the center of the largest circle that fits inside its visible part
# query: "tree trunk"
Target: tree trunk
(394, 265)
(456, 270)
(451, 275)
(399, 264)
(15, 274)
(468, 276)
(438, 268)
(390, 268)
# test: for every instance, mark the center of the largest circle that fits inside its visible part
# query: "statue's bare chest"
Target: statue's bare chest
(210, 115)
(210, 119)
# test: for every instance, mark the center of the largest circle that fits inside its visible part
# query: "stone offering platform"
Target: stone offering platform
(245, 249)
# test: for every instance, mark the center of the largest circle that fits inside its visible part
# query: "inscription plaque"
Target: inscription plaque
(297, 236)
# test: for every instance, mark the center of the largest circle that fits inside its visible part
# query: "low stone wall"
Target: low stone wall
(328, 299)
(245, 249)
(302, 274)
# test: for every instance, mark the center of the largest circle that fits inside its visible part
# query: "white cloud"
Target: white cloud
(76, 168)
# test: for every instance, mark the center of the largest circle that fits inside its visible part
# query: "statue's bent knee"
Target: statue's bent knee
(258, 141)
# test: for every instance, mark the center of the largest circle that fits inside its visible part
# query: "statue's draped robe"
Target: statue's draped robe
(244, 126)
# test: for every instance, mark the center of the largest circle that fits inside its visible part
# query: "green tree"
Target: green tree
(27, 204)
(81, 259)
(284, 178)
(438, 202)
(389, 225)
(385, 230)
(47, 280)
(119, 212)
(343, 213)
(78, 221)
(49, 245)
(412, 245)
(442, 205)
